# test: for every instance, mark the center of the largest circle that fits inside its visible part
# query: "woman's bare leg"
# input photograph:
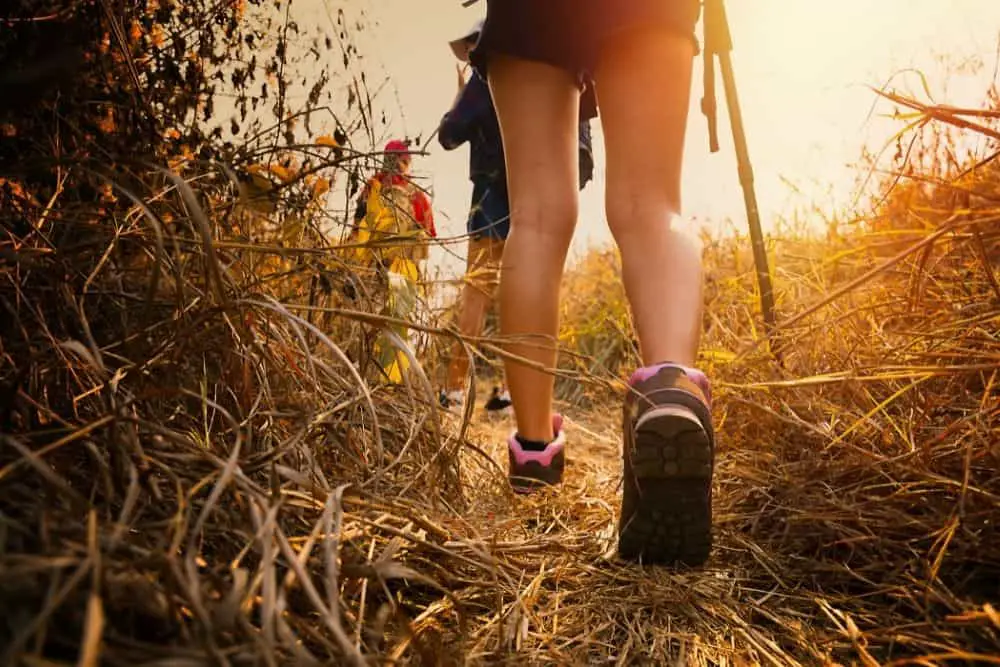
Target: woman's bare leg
(477, 294)
(538, 107)
(661, 254)
(668, 449)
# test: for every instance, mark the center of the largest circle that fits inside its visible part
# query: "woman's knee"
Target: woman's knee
(635, 214)
(629, 208)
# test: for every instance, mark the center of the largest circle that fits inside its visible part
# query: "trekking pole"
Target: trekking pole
(719, 42)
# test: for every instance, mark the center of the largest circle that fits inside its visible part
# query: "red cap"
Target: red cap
(397, 146)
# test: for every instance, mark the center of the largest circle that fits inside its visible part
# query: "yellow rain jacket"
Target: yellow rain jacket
(398, 221)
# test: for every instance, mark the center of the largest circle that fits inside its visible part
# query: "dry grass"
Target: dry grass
(199, 465)
(856, 488)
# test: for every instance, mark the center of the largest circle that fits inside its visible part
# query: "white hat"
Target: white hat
(456, 44)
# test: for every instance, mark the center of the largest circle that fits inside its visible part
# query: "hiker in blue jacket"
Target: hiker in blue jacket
(472, 119)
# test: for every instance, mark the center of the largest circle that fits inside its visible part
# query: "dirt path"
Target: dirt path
(572, 601)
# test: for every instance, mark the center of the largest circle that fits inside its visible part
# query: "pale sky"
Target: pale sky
(802, 67)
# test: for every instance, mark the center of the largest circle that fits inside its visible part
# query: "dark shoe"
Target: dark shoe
(669, 452)
(452, 401)
(531, 470)
(499, 403)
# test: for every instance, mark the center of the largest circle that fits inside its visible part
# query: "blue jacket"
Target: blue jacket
(473, 119)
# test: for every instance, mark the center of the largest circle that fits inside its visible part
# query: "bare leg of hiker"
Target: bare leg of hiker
(477, 294)
(537, 105)
(640, 54)
(668, 450)
(661, 255)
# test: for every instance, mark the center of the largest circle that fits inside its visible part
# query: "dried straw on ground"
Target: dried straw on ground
(198, 465)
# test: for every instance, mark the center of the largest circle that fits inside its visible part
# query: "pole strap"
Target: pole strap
(718, 40)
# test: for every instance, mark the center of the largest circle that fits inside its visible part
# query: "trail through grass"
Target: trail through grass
(774, 592)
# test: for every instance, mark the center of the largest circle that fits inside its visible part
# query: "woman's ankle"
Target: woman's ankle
(536, 430)
(554, 428)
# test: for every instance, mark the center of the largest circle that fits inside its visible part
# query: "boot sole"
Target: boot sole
(671, 521)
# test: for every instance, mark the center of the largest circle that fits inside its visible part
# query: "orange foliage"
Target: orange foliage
(185, 154)
(16, 188)
(320, 187)
(284, 174)
(156, 35)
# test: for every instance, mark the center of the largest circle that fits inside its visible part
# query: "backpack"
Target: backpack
(389, 220)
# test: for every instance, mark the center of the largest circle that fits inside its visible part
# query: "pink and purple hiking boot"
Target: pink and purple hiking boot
(533, 468)
(669, 452)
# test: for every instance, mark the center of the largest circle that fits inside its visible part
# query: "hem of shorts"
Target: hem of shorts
(483, 53)
(480, 60)
(668, 26)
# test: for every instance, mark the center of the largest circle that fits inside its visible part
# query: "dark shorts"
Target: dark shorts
(489, 216)
(570, 34)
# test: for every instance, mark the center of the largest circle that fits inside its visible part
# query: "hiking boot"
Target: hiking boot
(669, 451)
(498, 404)
(452, 401)
(531, 469)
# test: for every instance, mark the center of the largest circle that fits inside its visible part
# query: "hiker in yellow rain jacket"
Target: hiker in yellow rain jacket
(395, 220)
